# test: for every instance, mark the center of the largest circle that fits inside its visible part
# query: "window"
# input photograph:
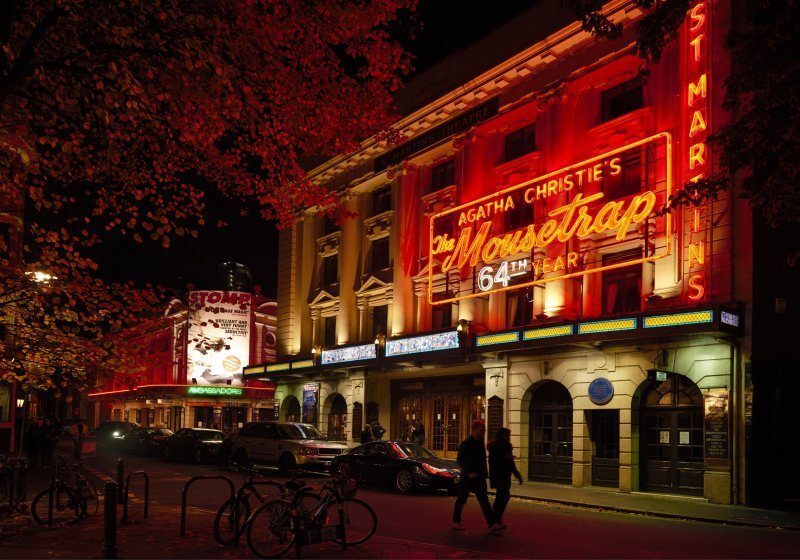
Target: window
(621, 99)
(379, 253)
(380, 316)
(330, 270)
(441, 316)
(381, 200)
(329, 225)
(519, 217)
(329, 334)
(443, 175)
(629, 180)
(622, 287)
(520, 142)
(519, 308)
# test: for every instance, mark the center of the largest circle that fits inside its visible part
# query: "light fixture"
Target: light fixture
(463, 326)
(380, 339)
(20, 403)
(316, 349)
(194, 381)
(40, 277)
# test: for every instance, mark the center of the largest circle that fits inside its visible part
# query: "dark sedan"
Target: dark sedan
(147, 441)
(113, 432)
(195, 444)
(405, 466)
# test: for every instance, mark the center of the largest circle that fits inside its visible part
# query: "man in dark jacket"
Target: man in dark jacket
(501, 467)
(472, 460)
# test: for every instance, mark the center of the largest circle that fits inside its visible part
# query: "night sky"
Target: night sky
(443, 26)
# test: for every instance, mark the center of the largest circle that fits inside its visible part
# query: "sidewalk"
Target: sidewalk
(675, 507)
(158, 537)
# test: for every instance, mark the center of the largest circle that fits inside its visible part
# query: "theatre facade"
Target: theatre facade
(514, 258)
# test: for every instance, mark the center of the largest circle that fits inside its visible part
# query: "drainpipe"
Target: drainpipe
(735, 400)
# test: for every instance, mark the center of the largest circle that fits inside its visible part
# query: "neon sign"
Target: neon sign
(211, 390)
(567, 211)
(697, 159)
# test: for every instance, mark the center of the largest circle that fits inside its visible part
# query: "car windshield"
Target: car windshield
(208, 435)
(299, 431)
(404, 450)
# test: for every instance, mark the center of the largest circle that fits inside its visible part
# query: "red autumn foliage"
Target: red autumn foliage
(117, 118)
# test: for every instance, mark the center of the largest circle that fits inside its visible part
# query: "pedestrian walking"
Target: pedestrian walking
(50, 435)
(377, 431)
(418, 435)
(472, 460)
(366, 434)
(501, 467)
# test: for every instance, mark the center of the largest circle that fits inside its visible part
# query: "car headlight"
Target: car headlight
(306, 450)
(430, 469)
(115, 434)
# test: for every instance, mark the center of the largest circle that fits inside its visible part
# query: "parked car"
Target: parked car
(402, 465)
(147, 441)
(286, 444)
(197, 444)
(113, 432)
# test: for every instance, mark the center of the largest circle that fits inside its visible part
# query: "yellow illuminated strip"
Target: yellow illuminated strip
(499, 338)
(607, 326)
(548, 332)
(302, 364)
(278, 367)
(253, 370)
(688, 318)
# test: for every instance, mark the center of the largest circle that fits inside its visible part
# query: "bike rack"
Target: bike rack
(252, 484)
(146, 478)
(191, 481)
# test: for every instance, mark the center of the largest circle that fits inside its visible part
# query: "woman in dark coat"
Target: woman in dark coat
(501, 467)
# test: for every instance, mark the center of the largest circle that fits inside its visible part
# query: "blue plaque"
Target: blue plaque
(601, 390)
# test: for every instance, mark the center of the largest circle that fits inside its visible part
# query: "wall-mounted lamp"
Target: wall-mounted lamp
(20, 403)
(380, 339)
(463, 326)
(316, 349)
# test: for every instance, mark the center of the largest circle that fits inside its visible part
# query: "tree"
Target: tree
(760, 148)
(120, 118)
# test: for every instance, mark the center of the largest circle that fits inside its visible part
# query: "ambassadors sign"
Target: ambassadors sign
(563, 224)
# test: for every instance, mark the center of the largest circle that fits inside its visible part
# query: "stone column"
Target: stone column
(405, 250)
(349, 251)
(626, 454)
(581, 450)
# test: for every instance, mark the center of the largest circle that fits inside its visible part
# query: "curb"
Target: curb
(661, 514)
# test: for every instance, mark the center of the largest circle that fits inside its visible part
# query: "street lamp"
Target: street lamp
(40, 277)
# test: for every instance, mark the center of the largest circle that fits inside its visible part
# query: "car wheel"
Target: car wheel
(239, 458)
(404, 481)
(199, 456)
(286, 463)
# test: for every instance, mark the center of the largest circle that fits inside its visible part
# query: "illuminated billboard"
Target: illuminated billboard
(564, 224)
(219, 336)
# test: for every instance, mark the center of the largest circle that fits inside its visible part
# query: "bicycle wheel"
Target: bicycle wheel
(360, 521)
(88, 493)
(230, 519)
(67, 506)
(271, 531)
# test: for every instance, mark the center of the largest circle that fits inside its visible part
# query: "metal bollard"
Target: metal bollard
(110, 521)
(120, 479)
(50, 498)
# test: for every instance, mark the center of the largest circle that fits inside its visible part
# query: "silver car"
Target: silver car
(285, 444)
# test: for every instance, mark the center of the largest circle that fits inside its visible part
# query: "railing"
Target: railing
(185, 491)
(126, 494)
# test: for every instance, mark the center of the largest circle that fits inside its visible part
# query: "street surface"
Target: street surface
(415, 526)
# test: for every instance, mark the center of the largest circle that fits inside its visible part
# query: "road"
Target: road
(534, 529)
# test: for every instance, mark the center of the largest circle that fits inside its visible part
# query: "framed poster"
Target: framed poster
(310, 403)
(716, 424)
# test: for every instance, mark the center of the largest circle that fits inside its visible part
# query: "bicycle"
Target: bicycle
(279, 524)
(62, 502)
(233, 516)
(13, 484)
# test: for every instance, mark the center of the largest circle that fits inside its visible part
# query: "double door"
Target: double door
(672, 458)
(446, 415)
(551, 445)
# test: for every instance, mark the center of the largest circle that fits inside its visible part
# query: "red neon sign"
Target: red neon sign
(575, 215)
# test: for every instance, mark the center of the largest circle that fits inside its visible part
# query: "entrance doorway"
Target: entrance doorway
(233, 417)
(290, 409)
(551, 434)
(446, 406)
(604, 431)
(337, 418)
(671, 431)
